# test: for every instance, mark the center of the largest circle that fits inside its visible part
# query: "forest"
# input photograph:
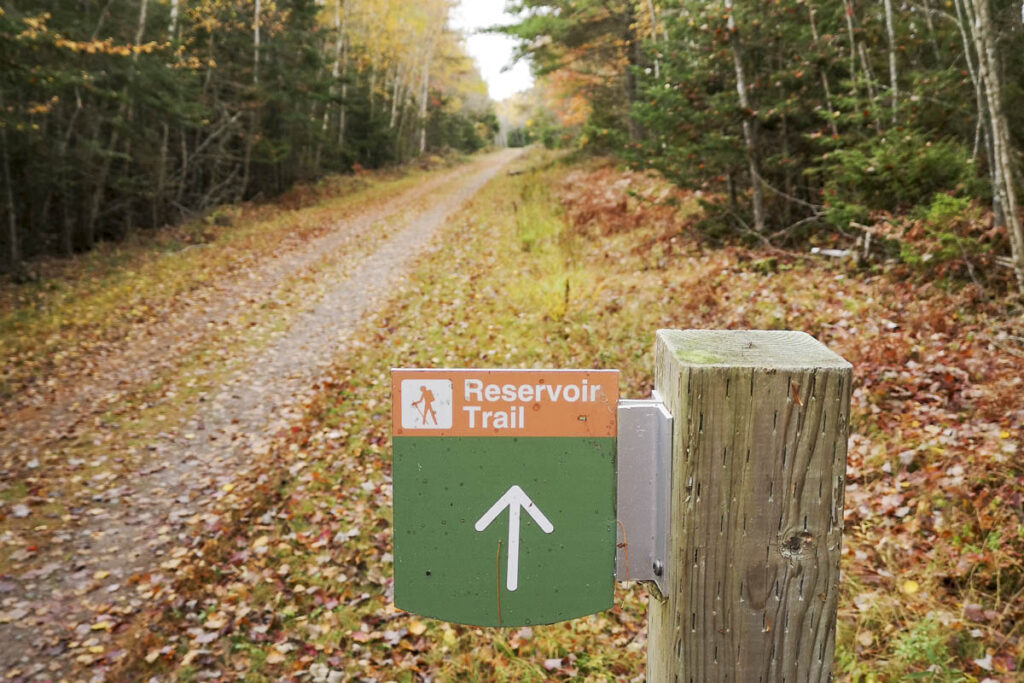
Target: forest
(121, 116)
(853, 122)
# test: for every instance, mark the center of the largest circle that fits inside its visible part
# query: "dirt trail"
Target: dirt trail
(150, 347)
(64, 608)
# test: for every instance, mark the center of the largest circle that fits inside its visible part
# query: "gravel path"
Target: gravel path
(81, 589)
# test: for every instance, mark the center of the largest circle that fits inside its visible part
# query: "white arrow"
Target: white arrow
(514, 499)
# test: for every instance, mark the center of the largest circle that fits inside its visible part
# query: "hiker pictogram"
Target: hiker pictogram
(426, 401)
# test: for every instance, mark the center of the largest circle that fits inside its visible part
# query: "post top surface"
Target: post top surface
(749, 348)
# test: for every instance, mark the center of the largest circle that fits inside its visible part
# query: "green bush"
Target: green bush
(941, 234)
(894, 172)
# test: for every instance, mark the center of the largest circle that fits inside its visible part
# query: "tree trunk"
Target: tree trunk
(424, 91)
(247, 161)
(824, 77)
(183, 173)
(140, 32)
(894, 87)
(848, 14)
(67, 237)
(984, 122)
(344, 85)
(988, 73)
(336, 67)
(789, 184)
(869, 78)
(172, 26)
(340, 67)
(13, 248)
(161, 179)
(141, 29)
(372, 90)
(932, 39)
(256, 43)
(654, 37)
(633, 59)
(395, 91)
(749, 132)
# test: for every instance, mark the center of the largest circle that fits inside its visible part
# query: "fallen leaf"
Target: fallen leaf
(215, 621)
(206, 637)
(552, 664)
(13, 615)
(974, 612)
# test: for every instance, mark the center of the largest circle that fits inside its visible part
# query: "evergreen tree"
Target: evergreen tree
(116, 117)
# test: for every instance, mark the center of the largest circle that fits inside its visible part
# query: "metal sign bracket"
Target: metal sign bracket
(643, 481)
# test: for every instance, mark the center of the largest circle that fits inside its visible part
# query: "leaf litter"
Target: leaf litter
(123, 521)
(934, 463)
(293, 579)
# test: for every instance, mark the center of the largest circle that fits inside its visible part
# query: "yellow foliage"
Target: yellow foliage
(34, 26)
(39, 109)
(105, 47)
(395, 39)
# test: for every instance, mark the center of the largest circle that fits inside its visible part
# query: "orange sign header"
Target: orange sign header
(447, 402)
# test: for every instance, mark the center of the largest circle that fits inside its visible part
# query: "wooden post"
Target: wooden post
(756, 507)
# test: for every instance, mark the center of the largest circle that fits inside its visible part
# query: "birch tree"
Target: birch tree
(1004, 178)
(13, 249)
(748, 113)
(894, 82)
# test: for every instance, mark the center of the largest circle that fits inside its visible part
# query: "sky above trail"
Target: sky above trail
(492, 52)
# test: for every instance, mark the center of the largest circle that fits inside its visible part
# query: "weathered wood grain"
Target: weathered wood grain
(759, 457)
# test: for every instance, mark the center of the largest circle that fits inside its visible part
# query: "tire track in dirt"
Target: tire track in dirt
(63, 611)
(134, 360)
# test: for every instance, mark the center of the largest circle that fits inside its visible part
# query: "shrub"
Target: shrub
(894, 172)
(943, 238)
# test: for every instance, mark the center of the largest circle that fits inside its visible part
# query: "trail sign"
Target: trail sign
(504, 490)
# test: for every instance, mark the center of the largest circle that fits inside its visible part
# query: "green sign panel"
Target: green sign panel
(504, 494)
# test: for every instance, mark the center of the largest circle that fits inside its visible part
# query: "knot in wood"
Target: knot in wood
(798, 546)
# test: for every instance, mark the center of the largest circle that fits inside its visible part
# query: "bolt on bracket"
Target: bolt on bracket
(643, 481)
